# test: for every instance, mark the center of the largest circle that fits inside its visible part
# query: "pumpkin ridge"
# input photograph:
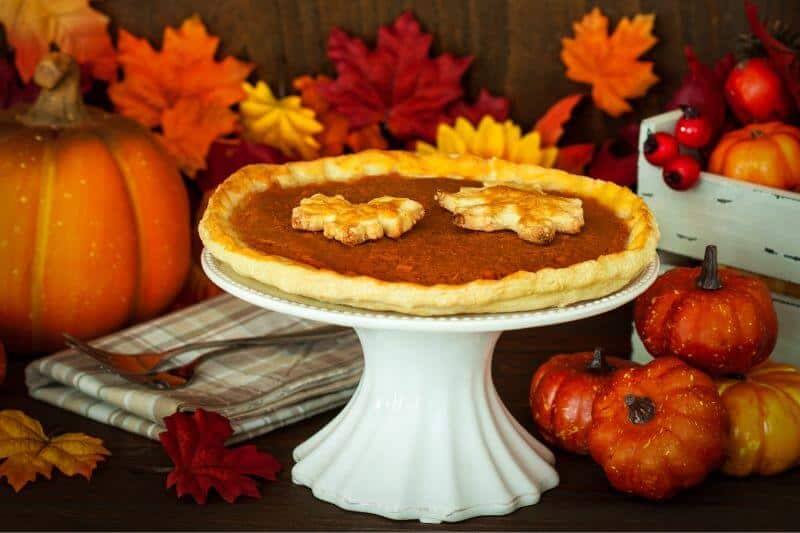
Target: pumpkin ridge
(112, 148)
(43, 212)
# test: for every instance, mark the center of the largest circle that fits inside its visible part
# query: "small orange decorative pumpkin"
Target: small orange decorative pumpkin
(658, 429)
(562, 393)
(767, 154)
(94, 218)
(764, 413)
(719, 320)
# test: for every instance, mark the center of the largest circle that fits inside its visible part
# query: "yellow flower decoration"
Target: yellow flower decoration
(282, 123)
(492, 139)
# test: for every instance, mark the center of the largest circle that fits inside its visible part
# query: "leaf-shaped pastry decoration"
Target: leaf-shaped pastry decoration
(610, 64)
(28, 452)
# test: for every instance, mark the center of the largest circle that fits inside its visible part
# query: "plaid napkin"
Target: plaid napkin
(258, 388)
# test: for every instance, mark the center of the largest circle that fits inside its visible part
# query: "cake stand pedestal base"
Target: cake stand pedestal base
(425, 435)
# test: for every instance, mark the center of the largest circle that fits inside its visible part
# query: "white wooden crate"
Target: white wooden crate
(755, 228)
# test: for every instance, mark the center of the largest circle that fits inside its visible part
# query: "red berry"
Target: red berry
(682, 172)
(756, 93)
(659, 148)
(693, 130)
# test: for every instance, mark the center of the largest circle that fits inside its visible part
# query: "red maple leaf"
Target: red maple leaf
(486, 104)
(196, 444)
(396, 84)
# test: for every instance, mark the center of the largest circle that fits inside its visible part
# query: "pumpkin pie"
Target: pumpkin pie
(436, 267)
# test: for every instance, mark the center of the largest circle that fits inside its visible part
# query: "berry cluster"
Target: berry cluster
(681, 171)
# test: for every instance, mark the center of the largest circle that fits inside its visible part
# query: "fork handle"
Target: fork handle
(282, 338)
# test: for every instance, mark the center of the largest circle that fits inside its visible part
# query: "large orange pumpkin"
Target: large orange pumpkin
(94, 218)
(767, 154)
(764, 411)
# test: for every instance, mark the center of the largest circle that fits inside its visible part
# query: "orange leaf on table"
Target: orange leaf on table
(196, 444)
(610, 63)
(77, 29)
(158, 82)
(551, 125)
(28, 452)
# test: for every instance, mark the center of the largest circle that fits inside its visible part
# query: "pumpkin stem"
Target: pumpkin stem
(598, 364)
(59, 102)
(709, 275)
(641, 409)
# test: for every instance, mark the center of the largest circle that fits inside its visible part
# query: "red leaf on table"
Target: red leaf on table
(703, 88)
(12, 91)
(397, 83)
(575, 157)
(196, 444)
(617, 158)
(486, 104)
(551, 125)
(783, 58)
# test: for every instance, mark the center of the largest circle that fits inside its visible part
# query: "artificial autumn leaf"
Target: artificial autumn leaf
(703, 88)
(183, 75)
(610, 63)
(486, 104)
(28, 452)
(336, 133)
(617, 158)
(397, 83)
(785, 60)
(282, 123)
(196, 445)
(189, 128)
(226, 156)
(492, 139)
(574, 157)
(77, 29)
(551, 125)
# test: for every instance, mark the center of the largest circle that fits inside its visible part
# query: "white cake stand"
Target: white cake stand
(425, 435)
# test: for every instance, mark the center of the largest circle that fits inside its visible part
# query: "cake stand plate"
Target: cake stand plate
(425, 435)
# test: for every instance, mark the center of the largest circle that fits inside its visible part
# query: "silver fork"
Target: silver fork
(146, 368)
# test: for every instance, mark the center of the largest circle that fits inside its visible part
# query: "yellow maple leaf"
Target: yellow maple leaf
(158, 82)
(77, 29)
(610, 63)
(492, 139)
(28, 452)
(282, 123)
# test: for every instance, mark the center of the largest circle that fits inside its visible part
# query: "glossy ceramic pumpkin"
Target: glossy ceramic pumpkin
(767, 154)
(764, 413)
(658, 429)
(94, 218)
(562, 392)
(719, 320)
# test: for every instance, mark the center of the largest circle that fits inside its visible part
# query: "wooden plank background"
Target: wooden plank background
(516, 43)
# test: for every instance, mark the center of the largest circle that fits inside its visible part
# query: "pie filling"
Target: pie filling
(434, 251)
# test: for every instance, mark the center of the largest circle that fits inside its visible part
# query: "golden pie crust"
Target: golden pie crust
(519, 291)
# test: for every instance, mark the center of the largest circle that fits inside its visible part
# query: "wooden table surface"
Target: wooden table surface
(120, 497)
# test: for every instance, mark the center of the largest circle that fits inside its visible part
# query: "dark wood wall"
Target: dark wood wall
(516, 43)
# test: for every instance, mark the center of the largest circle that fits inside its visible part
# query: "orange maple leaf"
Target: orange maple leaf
(77, 29)
(28, 452)
(158, 86)
(610, 63)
